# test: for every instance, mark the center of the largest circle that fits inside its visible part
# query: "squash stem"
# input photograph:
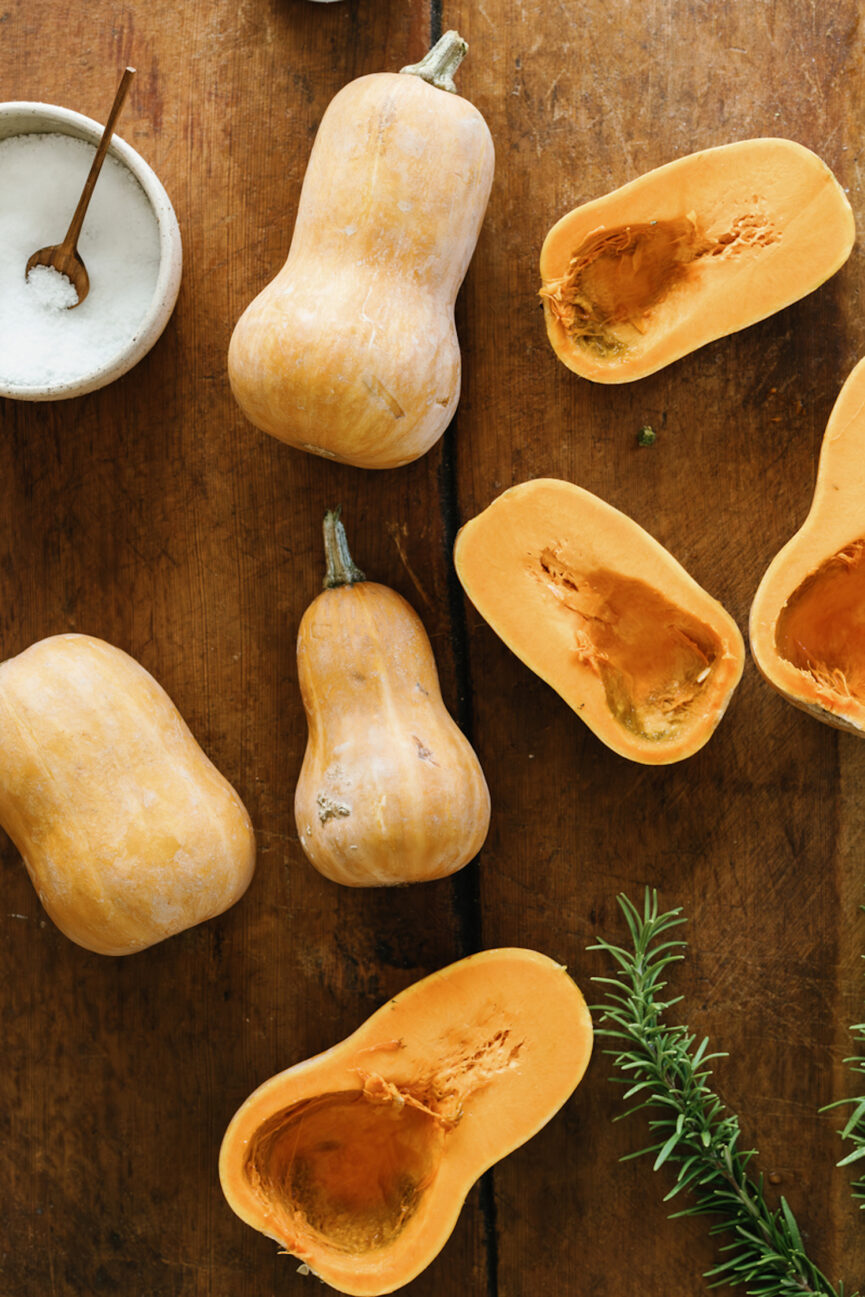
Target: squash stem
(341, 567)
(439, 65)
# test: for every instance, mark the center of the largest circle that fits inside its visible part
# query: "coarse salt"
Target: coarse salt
(42, 342)
(52, 288)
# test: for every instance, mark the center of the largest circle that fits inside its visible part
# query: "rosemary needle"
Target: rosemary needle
(666, 1072)
(854, 1128)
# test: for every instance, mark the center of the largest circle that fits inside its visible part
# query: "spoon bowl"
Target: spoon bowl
(67, 263)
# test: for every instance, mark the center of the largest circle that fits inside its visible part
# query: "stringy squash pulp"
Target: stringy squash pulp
(690, 252)
(358, 1161)
(605, 615)
(807, 621)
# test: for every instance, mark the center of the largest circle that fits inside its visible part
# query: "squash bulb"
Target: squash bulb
(390, 790)
(351, 352)
(128, 832)
(690, 252)
(358, 1161)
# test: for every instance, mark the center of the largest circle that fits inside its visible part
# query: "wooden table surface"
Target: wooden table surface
(151, 514)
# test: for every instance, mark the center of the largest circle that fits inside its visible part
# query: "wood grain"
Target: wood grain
(152, 515)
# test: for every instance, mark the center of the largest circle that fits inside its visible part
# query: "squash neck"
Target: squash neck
(439, 65)
(341, 567)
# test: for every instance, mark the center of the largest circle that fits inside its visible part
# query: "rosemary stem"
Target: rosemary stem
(668, 1075)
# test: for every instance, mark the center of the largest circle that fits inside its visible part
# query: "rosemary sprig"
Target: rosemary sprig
(854, 1128)
(665, 1072)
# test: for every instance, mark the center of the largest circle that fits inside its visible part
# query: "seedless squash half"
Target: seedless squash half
(807, 624)
(690, 252)
(604, 614)
(358, 1161)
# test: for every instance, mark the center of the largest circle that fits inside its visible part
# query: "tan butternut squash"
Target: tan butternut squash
(127, 831)
(390, 790)
(604, 614)
(690, 252)
(351, 352)
(807, 624)
(358, 1161)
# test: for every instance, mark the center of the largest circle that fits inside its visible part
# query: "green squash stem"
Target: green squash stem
(341, 567)
(438, 67)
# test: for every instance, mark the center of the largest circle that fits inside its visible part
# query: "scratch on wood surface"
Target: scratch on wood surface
(397, 532)
(555, 81)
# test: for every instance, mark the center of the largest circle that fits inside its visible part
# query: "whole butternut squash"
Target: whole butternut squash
(690, 252)
(358, 1161)
(602, 612)
(351, 352)
(807, 624)
(390, 790)
(127, 831)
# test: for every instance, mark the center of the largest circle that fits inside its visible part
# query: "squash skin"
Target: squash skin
(771, 225)
(390, 790)
(351, 351)
(835, 521)
(552, 567)
(127, 830)
(490, 1047)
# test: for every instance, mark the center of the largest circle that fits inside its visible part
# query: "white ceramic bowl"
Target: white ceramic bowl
(22, 118)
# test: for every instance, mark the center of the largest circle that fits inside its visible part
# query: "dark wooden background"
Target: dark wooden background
(152, 515)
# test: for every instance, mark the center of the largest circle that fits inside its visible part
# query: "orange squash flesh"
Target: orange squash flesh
(690, 252)
(604, 614)
(807, 624)
(358, 1161)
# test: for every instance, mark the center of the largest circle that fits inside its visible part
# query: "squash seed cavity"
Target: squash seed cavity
(653, 658)
(348, 1170)
(617, 277)
(821, 628)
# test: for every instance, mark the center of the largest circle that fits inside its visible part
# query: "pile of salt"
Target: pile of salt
(52, 288)
(42, 342)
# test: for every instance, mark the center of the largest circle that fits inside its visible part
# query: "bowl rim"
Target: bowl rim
(50, 119)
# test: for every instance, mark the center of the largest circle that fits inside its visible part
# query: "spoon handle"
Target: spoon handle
(71, 240)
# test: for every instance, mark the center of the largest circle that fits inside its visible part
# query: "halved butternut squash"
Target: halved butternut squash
(690, 252)
(807, 624)
(604, 614)
(358, 1161)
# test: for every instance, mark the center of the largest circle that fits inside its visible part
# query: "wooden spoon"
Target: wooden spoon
(64, 256)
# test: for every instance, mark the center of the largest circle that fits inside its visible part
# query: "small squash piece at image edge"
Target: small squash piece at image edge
(807, 623)
(128, 832)
(390, 790)
(605, 615)
(688, 253)
(358, 1161)
(351, 351)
